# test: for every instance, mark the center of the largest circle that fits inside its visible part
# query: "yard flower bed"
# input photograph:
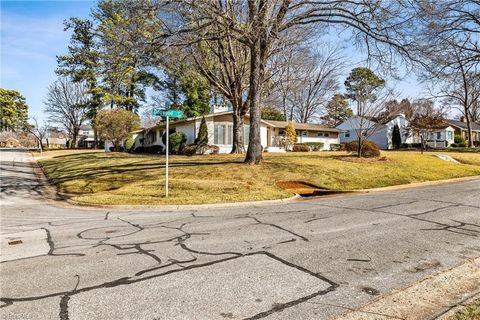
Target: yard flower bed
(120, 178)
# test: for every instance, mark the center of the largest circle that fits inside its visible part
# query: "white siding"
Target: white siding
(189, 130)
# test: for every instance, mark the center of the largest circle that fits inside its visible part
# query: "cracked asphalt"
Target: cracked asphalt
(312, 259)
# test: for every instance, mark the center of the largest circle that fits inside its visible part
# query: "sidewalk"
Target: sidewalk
(432, 298)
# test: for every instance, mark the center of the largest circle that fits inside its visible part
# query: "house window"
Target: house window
(319, 134)
(439, 135)
(304, 133)
(246, 134)
(347, 134)
(449, 135)
(219, 134)
(229, 133)
(281, 132)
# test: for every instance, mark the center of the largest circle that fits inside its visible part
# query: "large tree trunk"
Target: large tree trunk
(254, 151)
(359, 147)
(469, 128)
(95, 139)
(238, 145)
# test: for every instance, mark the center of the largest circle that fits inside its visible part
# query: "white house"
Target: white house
(220, 132)
(381, 134)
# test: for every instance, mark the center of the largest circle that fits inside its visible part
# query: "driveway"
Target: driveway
(311, 259)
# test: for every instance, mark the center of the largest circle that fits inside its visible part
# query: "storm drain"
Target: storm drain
(305, 189)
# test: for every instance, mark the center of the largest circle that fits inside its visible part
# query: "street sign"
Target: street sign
(167, 113)
(157, 112)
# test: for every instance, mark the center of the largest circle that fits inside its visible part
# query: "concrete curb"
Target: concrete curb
(60, 199)
(431, 298)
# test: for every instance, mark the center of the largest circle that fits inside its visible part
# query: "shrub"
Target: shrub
(369, 148)
(396, 137)
(177, 142)
(128, 144)
(459, 140)
(300, 147)
(155, 149)
(335, 146)
(190, 150)
(213, 149)
(290, 136)
(314, 146)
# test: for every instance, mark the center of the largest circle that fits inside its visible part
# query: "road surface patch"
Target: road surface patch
(23, 244)
(246, 287)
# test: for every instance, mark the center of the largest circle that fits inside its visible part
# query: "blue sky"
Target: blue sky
(32, 36)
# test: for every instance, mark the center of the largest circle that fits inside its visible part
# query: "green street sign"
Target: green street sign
(167, 113)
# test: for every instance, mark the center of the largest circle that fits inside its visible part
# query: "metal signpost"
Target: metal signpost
(167, 114)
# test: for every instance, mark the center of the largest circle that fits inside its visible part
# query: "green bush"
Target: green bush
(128, 144)
(177, 142)
(315, 146)
(190, 150)
(396, 137)
(369, 148)
(202, 139)
(300, 147)
(459, 140)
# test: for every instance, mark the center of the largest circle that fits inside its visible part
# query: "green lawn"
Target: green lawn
(119, 178)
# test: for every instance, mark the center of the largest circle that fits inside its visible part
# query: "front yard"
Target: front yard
(120, 178)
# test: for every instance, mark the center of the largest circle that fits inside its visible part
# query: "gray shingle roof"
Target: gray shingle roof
(463, 125)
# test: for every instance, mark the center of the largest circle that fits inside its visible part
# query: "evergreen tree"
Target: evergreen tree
(202, 138)
(13, 110)
(396, 137)
(270, 113)
(290, 136)
(82, 64)
(337, 111)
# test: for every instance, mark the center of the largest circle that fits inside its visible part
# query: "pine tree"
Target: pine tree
(396, 137)
(202, 138)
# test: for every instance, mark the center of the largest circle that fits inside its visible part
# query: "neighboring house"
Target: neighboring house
(220, 132)
(381, 134)
(85, 137)
(55, 138)
(461, 129)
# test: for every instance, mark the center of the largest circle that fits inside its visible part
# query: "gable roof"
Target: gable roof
(463, 125)
(301, 126)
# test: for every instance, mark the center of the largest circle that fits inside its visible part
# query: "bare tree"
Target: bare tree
(317, 82)
(425, 120)
(224, 62)
(448, 44)
(261, 24)
(38, 131)
(66, 105)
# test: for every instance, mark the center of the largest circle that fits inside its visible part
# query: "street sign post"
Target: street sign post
(167, 114)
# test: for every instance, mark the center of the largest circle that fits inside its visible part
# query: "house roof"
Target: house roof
(463, 125)
(301, 126)
(275, 124)
(86, 127)
(353, 120)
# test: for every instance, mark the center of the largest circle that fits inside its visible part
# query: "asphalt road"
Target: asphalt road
(305, 260)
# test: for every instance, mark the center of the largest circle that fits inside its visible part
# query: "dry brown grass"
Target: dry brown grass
(120, 178)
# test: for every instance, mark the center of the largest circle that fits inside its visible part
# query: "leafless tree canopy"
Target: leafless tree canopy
(304, 81)
(66, 106)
